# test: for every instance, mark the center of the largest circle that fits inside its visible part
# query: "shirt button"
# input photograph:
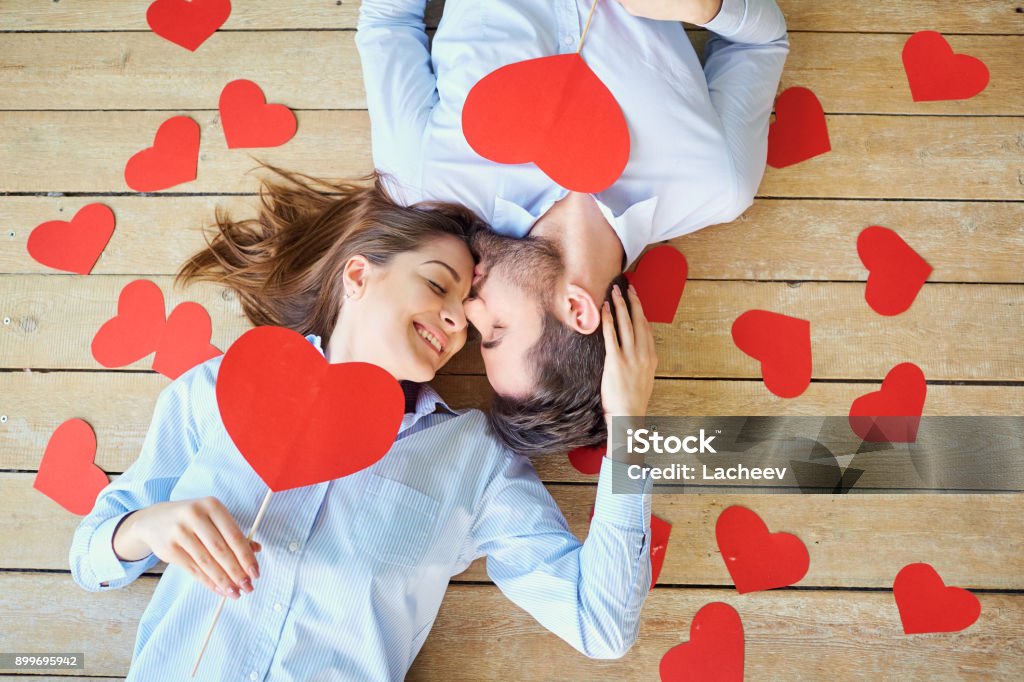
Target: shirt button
(567, 40)
(293, 547)
(254, 676)
(278, 607)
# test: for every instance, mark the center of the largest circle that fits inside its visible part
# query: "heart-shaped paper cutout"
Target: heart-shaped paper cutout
(892, 413)
(714, 652)
(184, 341)
(172, 160)
(74, 245)
(783, 346)
(927, 605)
(555, 112)
(799, 131)
(756, 558)
(660, 530)
(187, 22)
(135, 331)
(659, 279)
(587, 460)
(67, 473)
(895, 271)
(935, 72)
(248, 120)
(298, 420)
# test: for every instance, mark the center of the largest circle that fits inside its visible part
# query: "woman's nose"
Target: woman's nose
(454, 317)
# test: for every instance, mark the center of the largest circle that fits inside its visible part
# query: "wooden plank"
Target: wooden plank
(904, 157)
(784, 239)
(850, 73)
(784, 631)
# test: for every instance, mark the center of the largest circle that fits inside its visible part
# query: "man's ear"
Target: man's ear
(354, 277)
(584, 314)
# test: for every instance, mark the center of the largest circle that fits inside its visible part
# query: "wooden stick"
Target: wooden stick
(586, 28)
(220, 606)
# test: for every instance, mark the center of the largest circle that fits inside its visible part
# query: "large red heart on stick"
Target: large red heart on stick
(659, 279)
(892, 413)
(172, 160)
(895, 271)
(187, 22)
(67, 474)
(799, 131)
(927, 605)
(75, 245)
(756, 558)
(248, 120)
(935, 72)
(783, 346)
(714, 652)
(135, 331)
(184, 340)
(555, 112)
(298, 420)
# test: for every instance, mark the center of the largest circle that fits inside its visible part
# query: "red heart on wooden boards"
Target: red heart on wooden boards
(660, 530)
(187, 22)
(248, 120)
(799, 131)
(659, 280)
(892, 413)
(927, 605)
(298, 420)
(67, 473)
(895, 271)
(555, 112)
(783, 346)
(756, 558)
(172, 160)
(73, 245)
(936, 73)
(714, 652)
(184, 340)
(587, 460)
(134, 332)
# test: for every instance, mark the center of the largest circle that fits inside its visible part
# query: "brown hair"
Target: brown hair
(286, 264)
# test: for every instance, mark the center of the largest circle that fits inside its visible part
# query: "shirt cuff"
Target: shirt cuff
(729, 19)
(627, 503)
(106, 566)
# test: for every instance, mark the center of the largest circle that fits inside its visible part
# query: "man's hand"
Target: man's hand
(697, 12)
(630, 359)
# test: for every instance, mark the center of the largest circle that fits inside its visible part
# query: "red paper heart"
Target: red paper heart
(184, 341)
(187, 22)
(799, 131)
(67, 474)
(714, 652)
(555, 112)
(660, 530)
(135, 331)
(756, 558)
(935, 72)
(659, 279)
(74, 245)
(587, 460)
(892, 413)
(895, 271)
(172, 160)
(927, 605)
(298, 420)
(782, 344)
(248, 120)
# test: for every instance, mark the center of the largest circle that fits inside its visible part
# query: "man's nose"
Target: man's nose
(473, 308)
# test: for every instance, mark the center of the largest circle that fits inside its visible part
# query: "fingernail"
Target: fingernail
(254, 571)
(615, 290)
(219, 591)
(232, 592)
(246, 586)
(632, 288)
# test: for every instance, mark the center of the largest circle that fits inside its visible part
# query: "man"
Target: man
(698, 147)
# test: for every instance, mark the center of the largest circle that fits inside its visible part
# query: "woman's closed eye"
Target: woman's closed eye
(437, 287)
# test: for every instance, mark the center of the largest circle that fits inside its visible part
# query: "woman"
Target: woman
(352, 572)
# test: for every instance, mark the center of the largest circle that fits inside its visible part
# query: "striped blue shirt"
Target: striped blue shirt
(353, 571)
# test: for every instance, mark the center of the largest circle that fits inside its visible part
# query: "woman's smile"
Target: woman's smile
(432, 336)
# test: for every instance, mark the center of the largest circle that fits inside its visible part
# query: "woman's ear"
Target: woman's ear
(584, 315)
(354, 277)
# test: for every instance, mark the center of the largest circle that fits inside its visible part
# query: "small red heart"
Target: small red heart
(187, 22)
(782, 344)
(659, 279)
(67, 473)
(892, 413)
(587, 460)
(74, 245)
(895, 271)
(184, 341)
(172, 160)
(248, 120)
(800, 131)
(298, 420)
(660, 530)
(135, 331)
(927, 605)
(935, 72)
(555, 112)
(714, 652)
(756, 558)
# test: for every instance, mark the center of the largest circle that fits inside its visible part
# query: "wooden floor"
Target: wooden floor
(84, 84)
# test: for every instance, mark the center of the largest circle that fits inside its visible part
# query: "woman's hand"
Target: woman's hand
(697, 12)
(199, 535)
(630, 359)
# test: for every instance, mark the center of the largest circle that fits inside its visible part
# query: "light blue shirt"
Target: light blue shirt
(353, 571)
(698, 136)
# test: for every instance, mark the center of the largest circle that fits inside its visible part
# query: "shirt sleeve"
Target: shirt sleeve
(589, 593)
(401, 89)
